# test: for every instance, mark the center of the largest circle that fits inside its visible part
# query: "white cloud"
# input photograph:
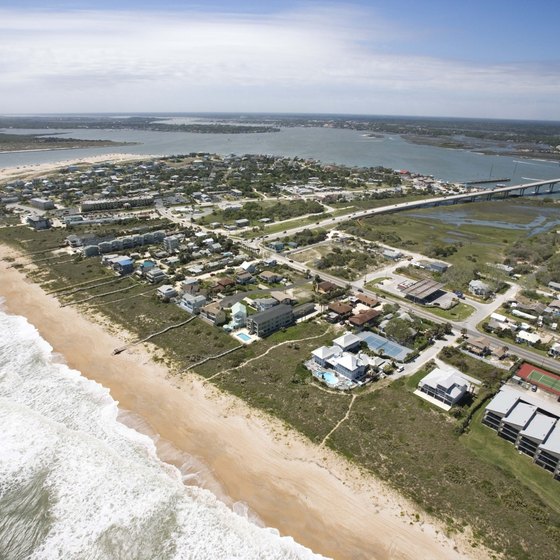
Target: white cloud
(333, 59)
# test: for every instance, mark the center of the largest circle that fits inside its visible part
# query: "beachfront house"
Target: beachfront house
(213, 313)
(238, 315)
(166, 292)
(349, 365)
(446, 385)
(192, 303)
(155, 275)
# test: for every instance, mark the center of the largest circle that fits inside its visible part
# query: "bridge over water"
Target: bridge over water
(550, 186)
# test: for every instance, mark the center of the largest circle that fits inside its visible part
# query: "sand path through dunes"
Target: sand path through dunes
(303, 490)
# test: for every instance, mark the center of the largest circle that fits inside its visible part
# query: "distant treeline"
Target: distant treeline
(132, 123)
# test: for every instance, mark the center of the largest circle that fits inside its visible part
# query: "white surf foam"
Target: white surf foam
(109, 495)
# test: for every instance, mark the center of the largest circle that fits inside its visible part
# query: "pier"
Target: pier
(485, 181)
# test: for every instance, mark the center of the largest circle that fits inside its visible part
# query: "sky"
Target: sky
(475, 58)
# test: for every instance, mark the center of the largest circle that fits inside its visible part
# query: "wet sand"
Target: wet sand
(306, 492)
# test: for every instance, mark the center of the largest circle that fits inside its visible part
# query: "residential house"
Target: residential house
(525, 337)
(479, 288)
(192, 303)
(166, 292)
(247, 266)
(283, 297)
(224, 283)
(446, 385)
(333, 357)
(326, 287)
(364, 318)
(244, 278)
(348, 341)
(322, 355)
(155, 275)
(213, 313)
(38, 222)
(555, 350)
(340, 309)
(366, 300)
(262, 304)
(270, 277)
(238, 315)
(123, 265)
(190, 285)
(479, 346)
(266, 322)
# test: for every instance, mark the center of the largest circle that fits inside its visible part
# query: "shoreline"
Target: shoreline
(309, 493)
(33, 170)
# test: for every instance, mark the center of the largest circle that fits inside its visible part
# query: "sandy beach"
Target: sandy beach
(40, 169)
(304, 491)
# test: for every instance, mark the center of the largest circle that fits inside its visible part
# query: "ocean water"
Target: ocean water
(77, 484)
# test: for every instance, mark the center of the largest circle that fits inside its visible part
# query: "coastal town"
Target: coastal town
(301, 288)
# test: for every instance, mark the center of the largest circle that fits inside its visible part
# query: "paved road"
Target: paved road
(481, 310)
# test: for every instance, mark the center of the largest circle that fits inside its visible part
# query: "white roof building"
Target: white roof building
(325, 352)
(527, 337)
(446, 385)
(347, 340)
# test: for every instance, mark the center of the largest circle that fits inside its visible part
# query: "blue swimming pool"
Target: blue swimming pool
(328, 377)
(244, 337)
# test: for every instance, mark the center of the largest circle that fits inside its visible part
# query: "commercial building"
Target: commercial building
(114, 203)
(42, 203)
(424, 291)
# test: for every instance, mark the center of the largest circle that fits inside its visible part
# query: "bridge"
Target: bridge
(549, 186)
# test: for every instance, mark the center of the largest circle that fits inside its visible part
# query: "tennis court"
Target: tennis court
(545, 380)
(381, 345)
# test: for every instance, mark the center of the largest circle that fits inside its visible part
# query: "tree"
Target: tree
(399, 330)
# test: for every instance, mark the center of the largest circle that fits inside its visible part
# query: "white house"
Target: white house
(525, 337)
(479, 288)
(192, 303)
(347, 341)
(238, 315)
(446, 385)
(166, 292)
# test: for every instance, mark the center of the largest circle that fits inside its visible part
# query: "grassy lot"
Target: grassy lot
(280, 385)
(458, 313)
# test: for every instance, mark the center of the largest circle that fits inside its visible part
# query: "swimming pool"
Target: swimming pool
(243, 337)
(328, 377)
